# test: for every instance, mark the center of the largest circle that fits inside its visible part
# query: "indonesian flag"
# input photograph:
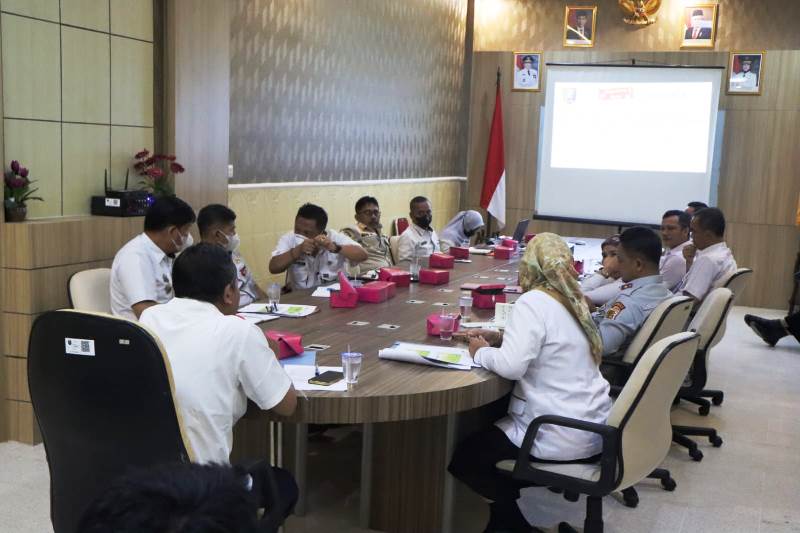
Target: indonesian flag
(493, 194)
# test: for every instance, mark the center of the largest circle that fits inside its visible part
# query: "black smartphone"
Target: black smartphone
(326, 378)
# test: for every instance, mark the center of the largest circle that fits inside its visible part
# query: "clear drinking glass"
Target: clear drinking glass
(465, 305)
(273, 296)
(351, 367)
(447, 324)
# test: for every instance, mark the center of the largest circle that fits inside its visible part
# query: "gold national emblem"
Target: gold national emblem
(614, 310)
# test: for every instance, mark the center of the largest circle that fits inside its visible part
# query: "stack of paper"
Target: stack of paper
(479, 251)
(325, 292)
(256, 318)
(290, 310)
(441, 356)
(300, 375)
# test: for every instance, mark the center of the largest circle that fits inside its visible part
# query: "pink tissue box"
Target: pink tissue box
(432, 323)
(376, 291)
(510, 243)
(288, 344)
(488, 294)
(529, 237)
(502, 252)
(437, 260)
(344, 299)
(433, 277)
(399, 277)
(458, 252)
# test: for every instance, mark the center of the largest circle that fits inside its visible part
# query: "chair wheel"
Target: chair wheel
(696, 455)
(704, 410)
(668, 484)
(631, 500)
(716, 441)
(717, 400)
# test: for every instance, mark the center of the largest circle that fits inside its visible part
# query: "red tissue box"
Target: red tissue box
(488, 294)
(399, 277)
(287, 344)
(343, 299)
(438, 260)
(432, 323)
(459, 252)
(376, 291)
(510, 243)
(502, 252)
(433, 277)
(578, 265)
(529, 237)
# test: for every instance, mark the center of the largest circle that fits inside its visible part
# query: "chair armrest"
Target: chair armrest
(523, 470)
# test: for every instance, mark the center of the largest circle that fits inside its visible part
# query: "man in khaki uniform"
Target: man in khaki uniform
(367, 233)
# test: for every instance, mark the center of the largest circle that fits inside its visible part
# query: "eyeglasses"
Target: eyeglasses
(370, 212)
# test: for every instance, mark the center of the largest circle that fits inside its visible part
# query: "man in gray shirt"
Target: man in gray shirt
(638, 256)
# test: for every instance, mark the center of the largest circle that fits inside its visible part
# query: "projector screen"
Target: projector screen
(625, 144)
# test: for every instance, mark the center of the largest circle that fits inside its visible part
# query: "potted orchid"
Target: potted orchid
(17, 191)
(156, 170)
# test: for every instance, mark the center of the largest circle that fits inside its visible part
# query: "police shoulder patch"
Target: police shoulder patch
(626, 286)
(615, 310)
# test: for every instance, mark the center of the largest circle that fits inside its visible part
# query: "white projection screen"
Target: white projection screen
(624, 144)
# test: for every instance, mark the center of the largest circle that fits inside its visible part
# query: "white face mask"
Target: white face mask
(187, 242)
(233, 242)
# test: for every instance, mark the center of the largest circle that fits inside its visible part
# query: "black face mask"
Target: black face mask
(423, 221)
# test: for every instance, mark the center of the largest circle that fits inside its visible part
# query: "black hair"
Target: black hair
(684, 218)
(168, 211)
(643, 242)
(416, 200)
(315, 213)
(711, 219)
(214, 215)
(202, 272)
(175, 498)
(697, 205)
(582, 13)
(611, 241)
(365, 200)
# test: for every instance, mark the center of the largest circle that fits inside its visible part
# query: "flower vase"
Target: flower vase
(16, 213)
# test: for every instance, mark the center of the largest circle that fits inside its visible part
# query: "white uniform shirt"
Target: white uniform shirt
(711, 267)
(218, 362)
(743, 81)
(141, 271)
(604, 293)
(310, 271)
(547, 353)
(527, 78)
(673, 266)
(247, 285)
(427, 239)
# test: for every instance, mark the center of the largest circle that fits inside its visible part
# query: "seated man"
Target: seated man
(619, 320)
(218, 360)
(709, 261)
(367, 233)
(694, 207)
(141, 274)
(313, 255)
(177, 497)
(217, 225)
(675, 237)
(419, 235)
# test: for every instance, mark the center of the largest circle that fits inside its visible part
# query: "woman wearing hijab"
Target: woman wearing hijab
(459, 230)
(552, 350)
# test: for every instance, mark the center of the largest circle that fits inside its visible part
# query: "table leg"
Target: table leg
(300, 456)
(366, 475)
(449, 481)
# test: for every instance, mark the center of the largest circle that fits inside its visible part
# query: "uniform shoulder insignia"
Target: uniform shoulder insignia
(626, 286)
(615, 310)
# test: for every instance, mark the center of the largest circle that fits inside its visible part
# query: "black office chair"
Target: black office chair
(103, 395)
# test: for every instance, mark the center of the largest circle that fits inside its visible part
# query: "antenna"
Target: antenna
(105, 179)
(127, 173)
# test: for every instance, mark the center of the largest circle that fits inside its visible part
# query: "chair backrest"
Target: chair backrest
(711, 317)
(394, 245)
(668, 318)
(102, 390)
(90, 290)
(642, 409)
(400, 225)
(737, 282)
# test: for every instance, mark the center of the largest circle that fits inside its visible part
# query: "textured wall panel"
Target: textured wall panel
(538, 25)
(347, 89)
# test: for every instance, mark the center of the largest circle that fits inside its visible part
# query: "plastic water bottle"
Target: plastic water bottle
(465, 305)
(414, 268)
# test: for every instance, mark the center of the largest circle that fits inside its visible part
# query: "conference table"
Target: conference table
(409, 412)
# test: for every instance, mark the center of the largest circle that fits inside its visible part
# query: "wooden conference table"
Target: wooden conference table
(408, 411)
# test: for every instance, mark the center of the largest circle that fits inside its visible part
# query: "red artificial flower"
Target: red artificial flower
(171, 157)
(176, 168)
(155, 172)
(139, 165)
(149, 161)
(15, 182)
(141, 155)
(23, 172)
(15, 166)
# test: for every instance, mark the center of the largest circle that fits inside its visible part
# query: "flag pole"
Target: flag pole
(488, 214)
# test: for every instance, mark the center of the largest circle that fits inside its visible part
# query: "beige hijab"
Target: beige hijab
(547, 266)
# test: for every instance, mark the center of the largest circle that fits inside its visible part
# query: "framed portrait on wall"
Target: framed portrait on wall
(527, 71)
(699, 29)
(745, 72)
(579, 26)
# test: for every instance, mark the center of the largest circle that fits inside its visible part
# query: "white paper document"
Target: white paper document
(479, 251)
(290, 310)
(256, 318)
(424, 354)
(300, 375)
(325, 292)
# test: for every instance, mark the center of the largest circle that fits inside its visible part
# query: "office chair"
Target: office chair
(737, 282)
(709, 324)
(89, 290)
(399, 225)
(103, 395)
(668, 318)
(636, 437)
(394, 246)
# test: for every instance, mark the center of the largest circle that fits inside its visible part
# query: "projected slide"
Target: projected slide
(658, 127)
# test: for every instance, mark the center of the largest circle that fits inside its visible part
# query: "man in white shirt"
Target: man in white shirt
(141, 274)
(674, 237)
(709, 261)
(217, 225)
(313, 255)
(527, 77)
(419, 234)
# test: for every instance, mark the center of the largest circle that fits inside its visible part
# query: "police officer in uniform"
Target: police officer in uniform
(527, 78)
(638, 256)
(367, 233)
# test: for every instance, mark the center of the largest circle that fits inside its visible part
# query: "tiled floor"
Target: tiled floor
(750, 485)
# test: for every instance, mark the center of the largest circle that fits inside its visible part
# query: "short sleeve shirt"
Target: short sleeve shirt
(218, 362)
(673, 266)
(414, 235)
(310, 271)
(247, 285)
(141, 272)
(709, 270)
